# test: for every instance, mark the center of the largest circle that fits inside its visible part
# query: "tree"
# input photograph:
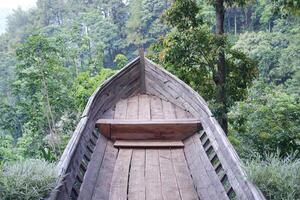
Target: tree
(84, 86)
(204, 60)
(266, 122)
(120, 61)
(43, 85)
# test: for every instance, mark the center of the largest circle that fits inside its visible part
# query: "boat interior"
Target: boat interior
(145, 134)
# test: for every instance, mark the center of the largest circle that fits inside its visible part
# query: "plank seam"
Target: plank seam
(128, 178)
(180, 195)
(188, 166)
(160, 174)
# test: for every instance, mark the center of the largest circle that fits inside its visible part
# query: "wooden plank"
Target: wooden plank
(132, 108)
(215, 181)
(180, 113)
(155, 129)
(121, 108)
(90, 177)
(142, 70)
(201, 180)
(137, 188)
(148, 143)
(119, 184)
(183, 177)
(152, 174)
(105, 174)
(109, 114)
(168, 109)
(156, 108)
(144, 107)
(170, 188)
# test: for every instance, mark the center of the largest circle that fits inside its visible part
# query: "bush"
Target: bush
(267, 121)
(27, 179)
(277, 178)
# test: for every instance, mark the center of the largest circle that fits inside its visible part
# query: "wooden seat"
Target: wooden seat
(148, 143)
(171, 129)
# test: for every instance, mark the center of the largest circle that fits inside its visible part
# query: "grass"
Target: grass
(28, 179)
(277, 178)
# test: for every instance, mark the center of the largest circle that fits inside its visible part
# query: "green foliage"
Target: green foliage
(7, 149)
(278, 54)
(120, 60)
(182, 14)
(191, 52)
(267, 121)
(277, 178)
(85, 85)
(28, 179)
(287, 6)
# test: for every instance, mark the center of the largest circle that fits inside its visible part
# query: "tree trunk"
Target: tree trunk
(235, 23)
(221, 73)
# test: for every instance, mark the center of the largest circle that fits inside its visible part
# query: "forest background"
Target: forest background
(53, 57)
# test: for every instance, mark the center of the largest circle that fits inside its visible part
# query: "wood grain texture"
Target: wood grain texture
(142, 69)
(152, 174)
(166, 88)
(184, 179)
(132, 108)
(105, 174)
(170, 189)
(163, 84)
(169, 110)
(144, 107)
(201, 180)
(90, 177)
(137, 187)
(119, 183)
(121, 109)
(155, 129)
(156, 108)
(148, 143)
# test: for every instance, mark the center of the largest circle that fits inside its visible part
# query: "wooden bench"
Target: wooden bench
(166, 129)
(149, 143)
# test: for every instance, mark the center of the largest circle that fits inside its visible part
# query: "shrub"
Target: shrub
(267, 121)
(277, 178)
(27, 179)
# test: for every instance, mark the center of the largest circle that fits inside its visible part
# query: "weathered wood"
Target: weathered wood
(148, 143)
(170, 188)
(156, 108)
(155, 129)
(132, 108)
(144, 107)
(119, 183)
(170, 92)
(152, 174)
(201, 180)
(137, 187)
(215, 181)
(142, 64)
(121, 109)
(104, 178)
(90, 178)
(165, 85)
(183, 177)
(169, 110)
(180, 113)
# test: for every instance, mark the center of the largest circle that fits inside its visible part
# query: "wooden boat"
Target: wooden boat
(145, 134)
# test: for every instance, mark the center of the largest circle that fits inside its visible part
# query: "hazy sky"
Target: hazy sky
(6, 7)
(12, 4)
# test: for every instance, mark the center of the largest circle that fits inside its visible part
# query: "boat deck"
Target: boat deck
(145, 134)
(127, 173)
(146, 107)
(158, 170)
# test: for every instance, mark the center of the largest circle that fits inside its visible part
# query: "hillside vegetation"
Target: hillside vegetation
(54, 56)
